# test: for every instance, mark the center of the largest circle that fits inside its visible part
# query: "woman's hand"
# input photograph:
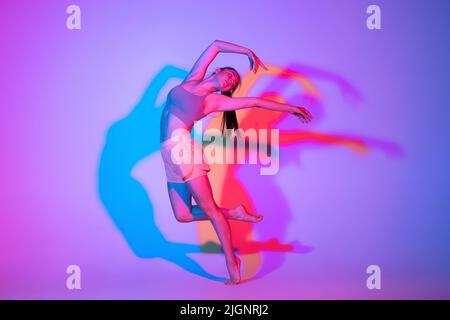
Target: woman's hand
(304, 115)
(255, 62)
(228, 47)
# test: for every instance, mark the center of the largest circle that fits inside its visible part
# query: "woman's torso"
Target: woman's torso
(181, 110)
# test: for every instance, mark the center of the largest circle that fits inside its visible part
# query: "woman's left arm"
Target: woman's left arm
(218, 103)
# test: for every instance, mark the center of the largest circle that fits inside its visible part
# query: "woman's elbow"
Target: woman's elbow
(216, 44)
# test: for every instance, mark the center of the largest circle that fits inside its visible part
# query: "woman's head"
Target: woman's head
(227, 78)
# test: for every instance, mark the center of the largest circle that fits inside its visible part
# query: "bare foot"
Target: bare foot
(235, 273)
(241, 214)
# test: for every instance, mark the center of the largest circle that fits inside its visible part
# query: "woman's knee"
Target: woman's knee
(183, 216)
(202, 192)
(182, 212)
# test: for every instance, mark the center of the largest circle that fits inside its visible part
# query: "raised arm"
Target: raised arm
(218, 102)
(198, 71)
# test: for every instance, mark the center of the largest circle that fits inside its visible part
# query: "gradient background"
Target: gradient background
(367, 182)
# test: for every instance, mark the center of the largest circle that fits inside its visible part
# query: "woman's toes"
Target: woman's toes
(256, 217)
(246, 216)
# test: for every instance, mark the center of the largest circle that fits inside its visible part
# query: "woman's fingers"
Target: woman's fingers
(255, 62)
(260, 63)
(304, 119)
(304, 115)
(256, 66)
(305, 112)
(307, 117)
(264, 66)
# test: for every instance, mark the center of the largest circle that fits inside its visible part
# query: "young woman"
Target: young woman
(190, 101)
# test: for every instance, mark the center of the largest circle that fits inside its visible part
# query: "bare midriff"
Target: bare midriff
(181, 111)
(170, 123)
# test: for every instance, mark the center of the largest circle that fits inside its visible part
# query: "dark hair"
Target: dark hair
(229, 119)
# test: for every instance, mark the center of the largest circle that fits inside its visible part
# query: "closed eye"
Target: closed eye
(231, 79)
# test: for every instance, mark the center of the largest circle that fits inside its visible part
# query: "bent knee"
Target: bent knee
(184, 217)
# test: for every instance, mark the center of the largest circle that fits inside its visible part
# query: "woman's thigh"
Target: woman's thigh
(201, 191)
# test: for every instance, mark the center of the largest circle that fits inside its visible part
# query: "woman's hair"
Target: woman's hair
(229, 119)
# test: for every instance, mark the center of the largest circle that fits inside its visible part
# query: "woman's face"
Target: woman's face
(228, 79)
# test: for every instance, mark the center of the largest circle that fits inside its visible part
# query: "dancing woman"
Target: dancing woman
(188, 102)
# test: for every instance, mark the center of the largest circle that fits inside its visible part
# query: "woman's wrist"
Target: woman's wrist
(291, 109)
